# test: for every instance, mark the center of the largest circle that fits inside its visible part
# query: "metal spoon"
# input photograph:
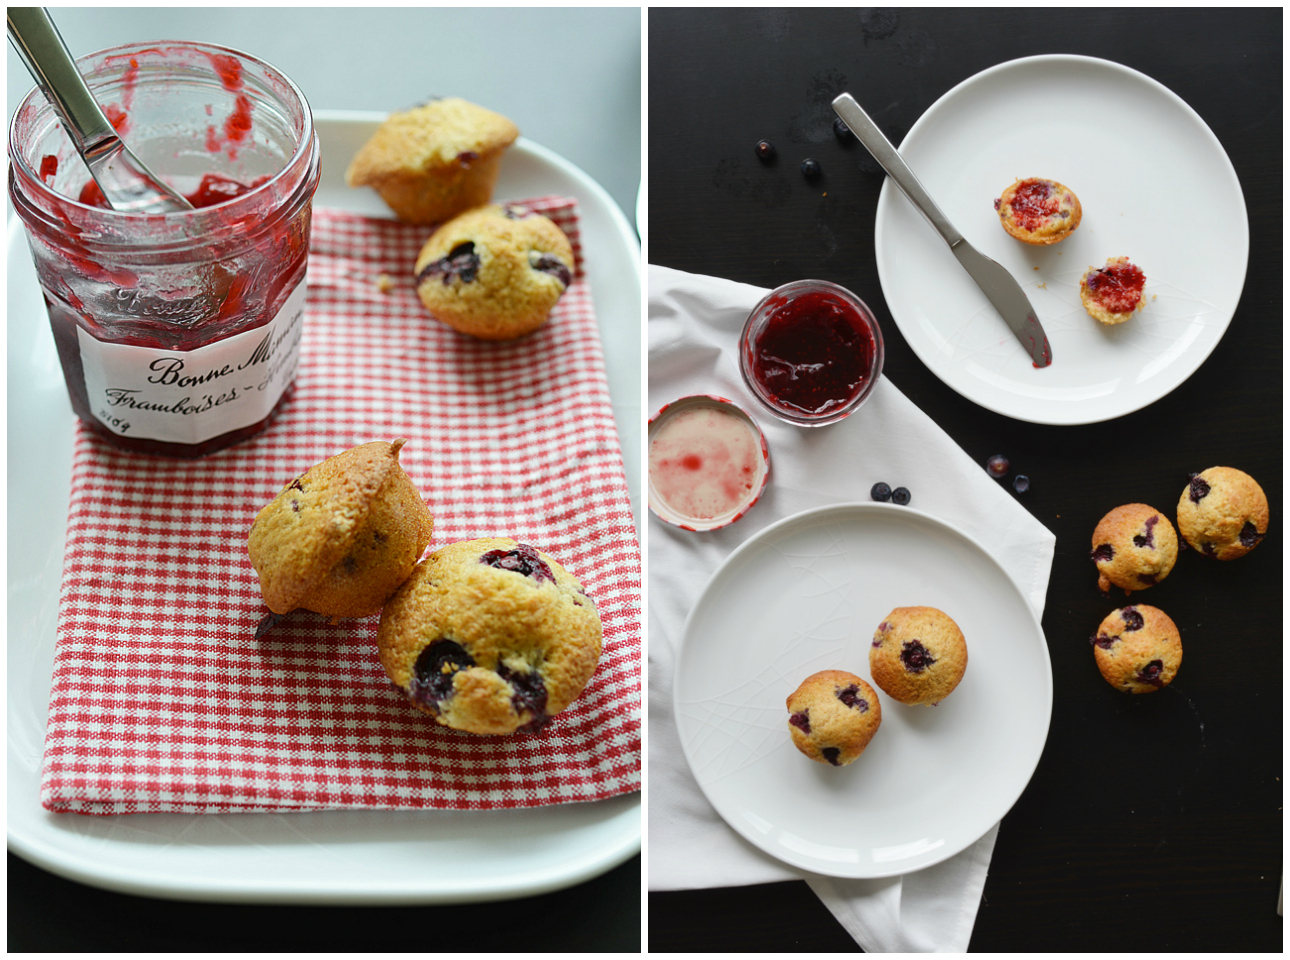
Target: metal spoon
(125, 180)
(998, 285)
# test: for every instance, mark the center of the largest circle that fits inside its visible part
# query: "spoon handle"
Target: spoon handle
(889, 158)
(42, 50)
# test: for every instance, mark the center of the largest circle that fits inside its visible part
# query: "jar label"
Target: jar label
(191, 396)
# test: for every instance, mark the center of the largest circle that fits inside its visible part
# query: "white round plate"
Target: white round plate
(334, 857)
(1155, 185)
(806, 594)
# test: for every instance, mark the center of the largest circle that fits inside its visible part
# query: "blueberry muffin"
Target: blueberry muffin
(832, 717)
(1137, 649)
(1039, 212)
(918, 655)
(1223, 513)
(341, 538)
(1113, 293)
(1134, 547)
(490, 636)
(494, 273)
(434, 161)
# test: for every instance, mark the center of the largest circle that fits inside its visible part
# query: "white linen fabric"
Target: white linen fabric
(694, 326)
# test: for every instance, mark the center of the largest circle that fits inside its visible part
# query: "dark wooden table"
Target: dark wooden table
(1152, 822)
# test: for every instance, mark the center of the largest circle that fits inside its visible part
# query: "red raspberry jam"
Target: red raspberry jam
(1117, 286)
(1032, 203)
(813, 353)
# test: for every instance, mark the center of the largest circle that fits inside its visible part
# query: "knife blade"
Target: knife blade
(999, 286)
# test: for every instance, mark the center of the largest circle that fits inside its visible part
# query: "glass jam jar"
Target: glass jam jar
(811, 352)
(179, 334)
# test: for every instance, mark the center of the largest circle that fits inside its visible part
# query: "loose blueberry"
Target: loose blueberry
(915, 656)
(880, 492)
(1021, 483)
(1102, 553)
(831, 754)
(900, 495)
(529, 690)
(1250, 535)
(1198, 488)
(851, 697)
(765, 150)
(801, 720)
(434, 669)
(811, 168)
(997, 466)
(1151, 674)
(1147, 537)
(1132, 618)
(842, 131)
(461, 261)
(550, 263)
(523, 559)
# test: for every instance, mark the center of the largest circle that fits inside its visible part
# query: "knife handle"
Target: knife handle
(877, 144)
(42, 50)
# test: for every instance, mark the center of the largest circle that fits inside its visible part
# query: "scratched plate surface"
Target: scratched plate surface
(806, 594)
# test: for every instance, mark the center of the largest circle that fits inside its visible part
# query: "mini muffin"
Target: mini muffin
(489, 636)
(1112, 294)
(1223, 513)
(494, 273)
(918, 655)
(434, 161)
(1039, 212)
(1138, 649)
(341, 538)
(1134, 547)
(832, 717)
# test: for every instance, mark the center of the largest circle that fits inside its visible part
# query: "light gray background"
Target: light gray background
(569, 78)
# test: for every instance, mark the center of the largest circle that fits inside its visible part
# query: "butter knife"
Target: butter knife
(127, 183)
(998, 285)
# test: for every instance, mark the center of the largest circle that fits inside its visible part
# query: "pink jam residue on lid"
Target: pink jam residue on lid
(704, 462)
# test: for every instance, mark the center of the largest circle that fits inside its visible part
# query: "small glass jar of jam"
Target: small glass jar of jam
(811, 352)
(179, 334)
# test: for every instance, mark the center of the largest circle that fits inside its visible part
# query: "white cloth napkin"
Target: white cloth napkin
(694, 325)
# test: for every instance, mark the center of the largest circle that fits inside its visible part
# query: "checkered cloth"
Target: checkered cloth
(162, 698)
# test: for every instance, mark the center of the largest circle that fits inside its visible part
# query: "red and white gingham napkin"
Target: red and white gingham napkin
(162, 698)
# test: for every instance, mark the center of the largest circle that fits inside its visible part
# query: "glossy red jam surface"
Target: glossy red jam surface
(814, 354)
(1117, 286)
(1032, 203)
(214, 188)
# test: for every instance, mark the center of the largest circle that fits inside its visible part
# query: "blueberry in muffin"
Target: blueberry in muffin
(1134, 547)
(832, 717)
(490, 636)
(1137, 649)
(1223, 513)
(918, 655)
(495, 272)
